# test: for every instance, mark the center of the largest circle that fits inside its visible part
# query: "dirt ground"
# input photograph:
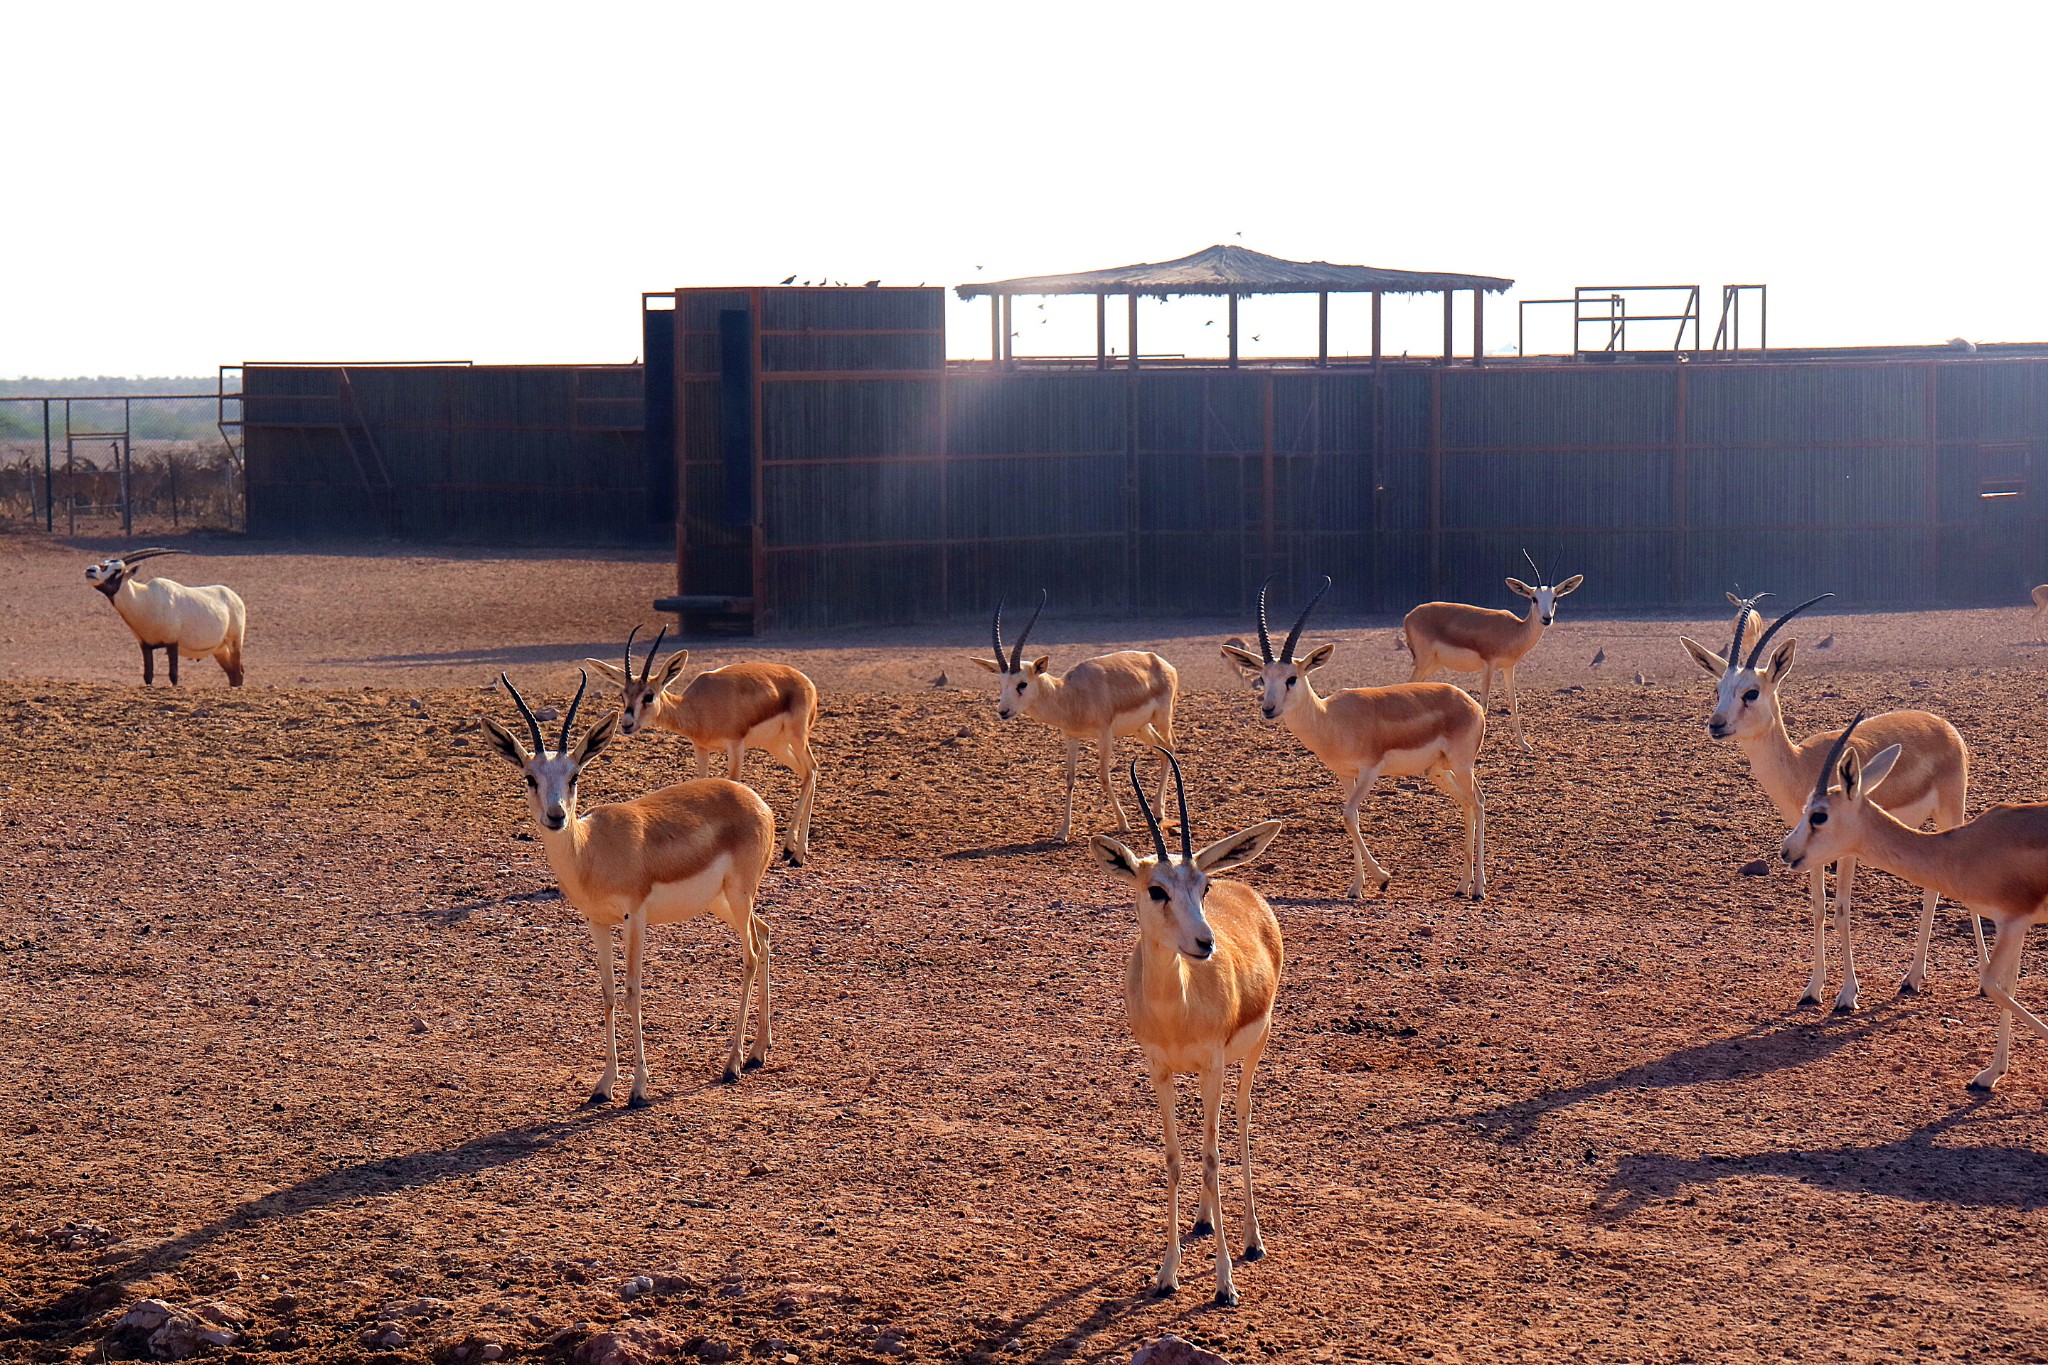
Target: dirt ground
(295, 1023)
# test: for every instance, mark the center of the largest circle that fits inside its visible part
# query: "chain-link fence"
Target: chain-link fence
(133, 462)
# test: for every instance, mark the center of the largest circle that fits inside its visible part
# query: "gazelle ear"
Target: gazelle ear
(1520, 589)
(1246, 661)
(1240, 848)
(1706, 658)
(1318, 656)
(506, 743)
(1119, 861)
(1041, 663)
(593, 743)
(1781, 660)
(1570, 585)
(612, 672)
(674, 666)
(990, 664)
(1865, 781)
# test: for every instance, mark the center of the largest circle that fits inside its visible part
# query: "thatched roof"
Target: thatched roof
(1235, 270)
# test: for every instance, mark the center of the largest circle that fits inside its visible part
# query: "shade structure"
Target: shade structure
(1239, 270)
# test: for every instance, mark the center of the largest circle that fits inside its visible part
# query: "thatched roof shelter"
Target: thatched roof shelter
(1234, 272)
(1239, 270)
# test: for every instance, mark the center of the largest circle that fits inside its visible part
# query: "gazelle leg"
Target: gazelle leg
(1916, 975)
(1254, 1245)
(1486, 693)
(1817, 979)
(1440, 778)
(703, 761)
(1464, 789)
(750, 966)
(735, 761)
(1106, 747)
(1845, 885)
(1997, 977)
(764, 1032)
(1212, 1172)
(1362, 856)
(796, 841)
(1515, 714)
(601, 940)
(1169, 1266)
(636, 950)
(1073, 764)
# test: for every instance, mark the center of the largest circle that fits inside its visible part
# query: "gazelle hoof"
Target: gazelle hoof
(1911, 987)
(1225, 1298)
(730, 1077)
(1202, 1228)
(637, 1101)
(1809, 1001)
(1164, 1291)
(1255, 1252)
(598, 1100)
(793, 857)
(1845, 1007)
(1982, 1086)
(754, 1064)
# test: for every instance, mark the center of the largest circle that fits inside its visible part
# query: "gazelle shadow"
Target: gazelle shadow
(1915, 1168)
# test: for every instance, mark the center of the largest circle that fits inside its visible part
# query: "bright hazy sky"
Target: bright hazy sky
(197, 184)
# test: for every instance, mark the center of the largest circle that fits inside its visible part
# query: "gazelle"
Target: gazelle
(1997, 864)
(1128, 694)
(1469, 639)
(770, 707)
(693, 849)
(165, 614)
(2040, 596)
(1931, 783)
(1365, 733)
(1199, 991)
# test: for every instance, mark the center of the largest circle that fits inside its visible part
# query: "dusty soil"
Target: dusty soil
(295, 1022)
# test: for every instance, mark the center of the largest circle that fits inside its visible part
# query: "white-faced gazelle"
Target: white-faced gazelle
(1996, 864)
(1467, 639)
(729, 710)
(1199, 990)
(194, 623)
(1128, 694)
(1930, 782)
(1362, 734)
(693, 849)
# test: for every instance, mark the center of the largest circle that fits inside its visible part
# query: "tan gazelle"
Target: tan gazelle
(1199, 990)
(1996, 864)
(1125, 695)
(697, 848)
(2040, 596)
(1362, 734)
(1930, 783)
(1467, 639)
(729, 710)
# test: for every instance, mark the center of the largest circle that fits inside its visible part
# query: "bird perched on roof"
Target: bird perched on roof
(790, 280)
(872, 284)
(1599, 657)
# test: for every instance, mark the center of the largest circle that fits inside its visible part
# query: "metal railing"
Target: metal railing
(106, 459)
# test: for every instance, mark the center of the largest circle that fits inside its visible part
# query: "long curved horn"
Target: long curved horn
(1757, 652)
(1294, 636)
(1017, 652)
(1735, 645)
(540, 745)
(1158, 834)
(1265, 640)
(1000, 657)
(137, 556)
(631, 635)
(1187, 845)
(1833, 765)
(1533, 569)
(569, 721)
(647, 669)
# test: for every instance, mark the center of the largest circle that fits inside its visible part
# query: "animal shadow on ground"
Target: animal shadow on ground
(456, 914)
(1756, 1052)
(1004, 850)
(1914, 1168)
(1075, 1343)
(361, 1181)
(563, 655)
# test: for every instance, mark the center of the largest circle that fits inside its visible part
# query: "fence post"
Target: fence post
(127, 452)
(49, 475)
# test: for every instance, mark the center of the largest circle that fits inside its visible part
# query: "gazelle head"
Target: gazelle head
(638, 695)
(1171, 892)
(1833, 819)
(1746, 698)
(1280, 682)
(109, 574)
(1020, 677)
(1544, 596)
(551, 776)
